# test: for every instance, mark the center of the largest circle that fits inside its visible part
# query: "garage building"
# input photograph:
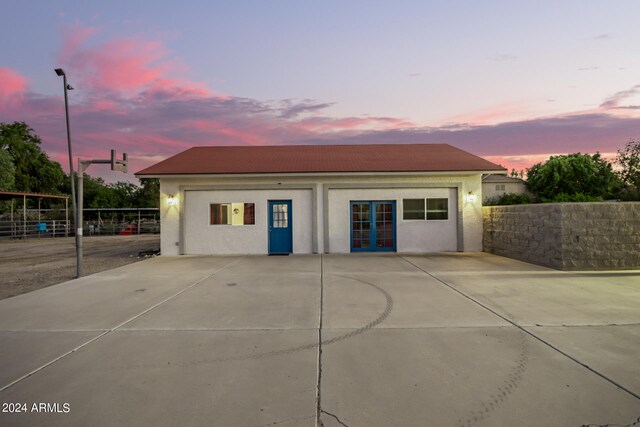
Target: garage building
(321, 199)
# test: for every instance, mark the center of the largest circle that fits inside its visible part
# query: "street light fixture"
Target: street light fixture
(60, 72)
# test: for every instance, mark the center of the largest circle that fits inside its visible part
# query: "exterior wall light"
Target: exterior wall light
(171, 200)
(471, 197)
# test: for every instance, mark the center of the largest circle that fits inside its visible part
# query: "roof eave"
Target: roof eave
(314, 174)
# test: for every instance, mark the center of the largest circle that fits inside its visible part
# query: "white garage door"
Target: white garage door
(426, 219)
(235, 221)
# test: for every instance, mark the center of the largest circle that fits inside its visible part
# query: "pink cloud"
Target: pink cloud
(133, 96)
(328, 124)
(104, 105)
(119, 65)
(74, 37)
(490, 115)
(245, 137)
(127, 65)
(255, 133)
(12, 86)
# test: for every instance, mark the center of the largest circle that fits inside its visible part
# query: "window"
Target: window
(233, 214)
(280, 218)
(220, 213)
(437, 208)
(249, 217)
(429, 209)
(499, 187)
(413, 209)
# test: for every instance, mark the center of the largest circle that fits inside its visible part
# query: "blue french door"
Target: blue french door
(373, 226)
(280, 231)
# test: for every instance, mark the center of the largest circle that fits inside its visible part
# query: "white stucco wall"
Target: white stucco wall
(472, 214)
(170, 217)
(173, 243)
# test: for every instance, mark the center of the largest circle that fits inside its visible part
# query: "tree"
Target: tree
(566, 176)
(148, 195)
(629, 161)
(124, 194)
(7, 170)
(516, 174)
(33, 169)
(96, 193)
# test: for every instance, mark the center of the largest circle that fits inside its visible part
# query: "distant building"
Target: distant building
(494, 185)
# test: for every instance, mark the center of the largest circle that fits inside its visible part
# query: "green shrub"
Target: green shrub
(629, 194)
(572, 198)
(509, 199)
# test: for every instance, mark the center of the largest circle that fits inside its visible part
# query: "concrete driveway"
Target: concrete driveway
(356, 340)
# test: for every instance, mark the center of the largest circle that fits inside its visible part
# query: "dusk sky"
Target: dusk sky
(512, 81)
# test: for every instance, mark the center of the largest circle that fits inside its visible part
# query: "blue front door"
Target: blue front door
(280, 233)
(373, 226)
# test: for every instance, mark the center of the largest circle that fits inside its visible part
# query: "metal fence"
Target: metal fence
(99, 222)
(92, 228)
(43, 228)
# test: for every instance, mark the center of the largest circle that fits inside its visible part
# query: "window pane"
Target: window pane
(280, 216)
(249, 214)
(437, 209)
(220, 213)
(437, 204)
(413, 208)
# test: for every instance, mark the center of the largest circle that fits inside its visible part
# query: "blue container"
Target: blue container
(41, 226)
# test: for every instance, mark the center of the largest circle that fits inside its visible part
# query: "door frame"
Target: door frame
(372, 228)
(289, 204)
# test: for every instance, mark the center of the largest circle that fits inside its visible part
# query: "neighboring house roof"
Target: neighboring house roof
(493, 178)
(321, 159)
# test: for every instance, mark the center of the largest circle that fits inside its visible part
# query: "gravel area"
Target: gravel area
(37, 263)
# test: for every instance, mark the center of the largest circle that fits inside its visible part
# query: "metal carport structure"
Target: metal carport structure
(11, 195)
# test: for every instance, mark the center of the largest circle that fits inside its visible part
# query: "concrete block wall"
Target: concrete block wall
(566, 236)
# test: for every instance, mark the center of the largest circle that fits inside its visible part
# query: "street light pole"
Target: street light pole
(60, 72)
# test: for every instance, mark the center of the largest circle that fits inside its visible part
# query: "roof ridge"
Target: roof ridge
(394, 144)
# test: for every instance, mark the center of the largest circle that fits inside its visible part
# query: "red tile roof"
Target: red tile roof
(319, 159)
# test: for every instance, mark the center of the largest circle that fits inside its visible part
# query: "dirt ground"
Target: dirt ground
(37, 263)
